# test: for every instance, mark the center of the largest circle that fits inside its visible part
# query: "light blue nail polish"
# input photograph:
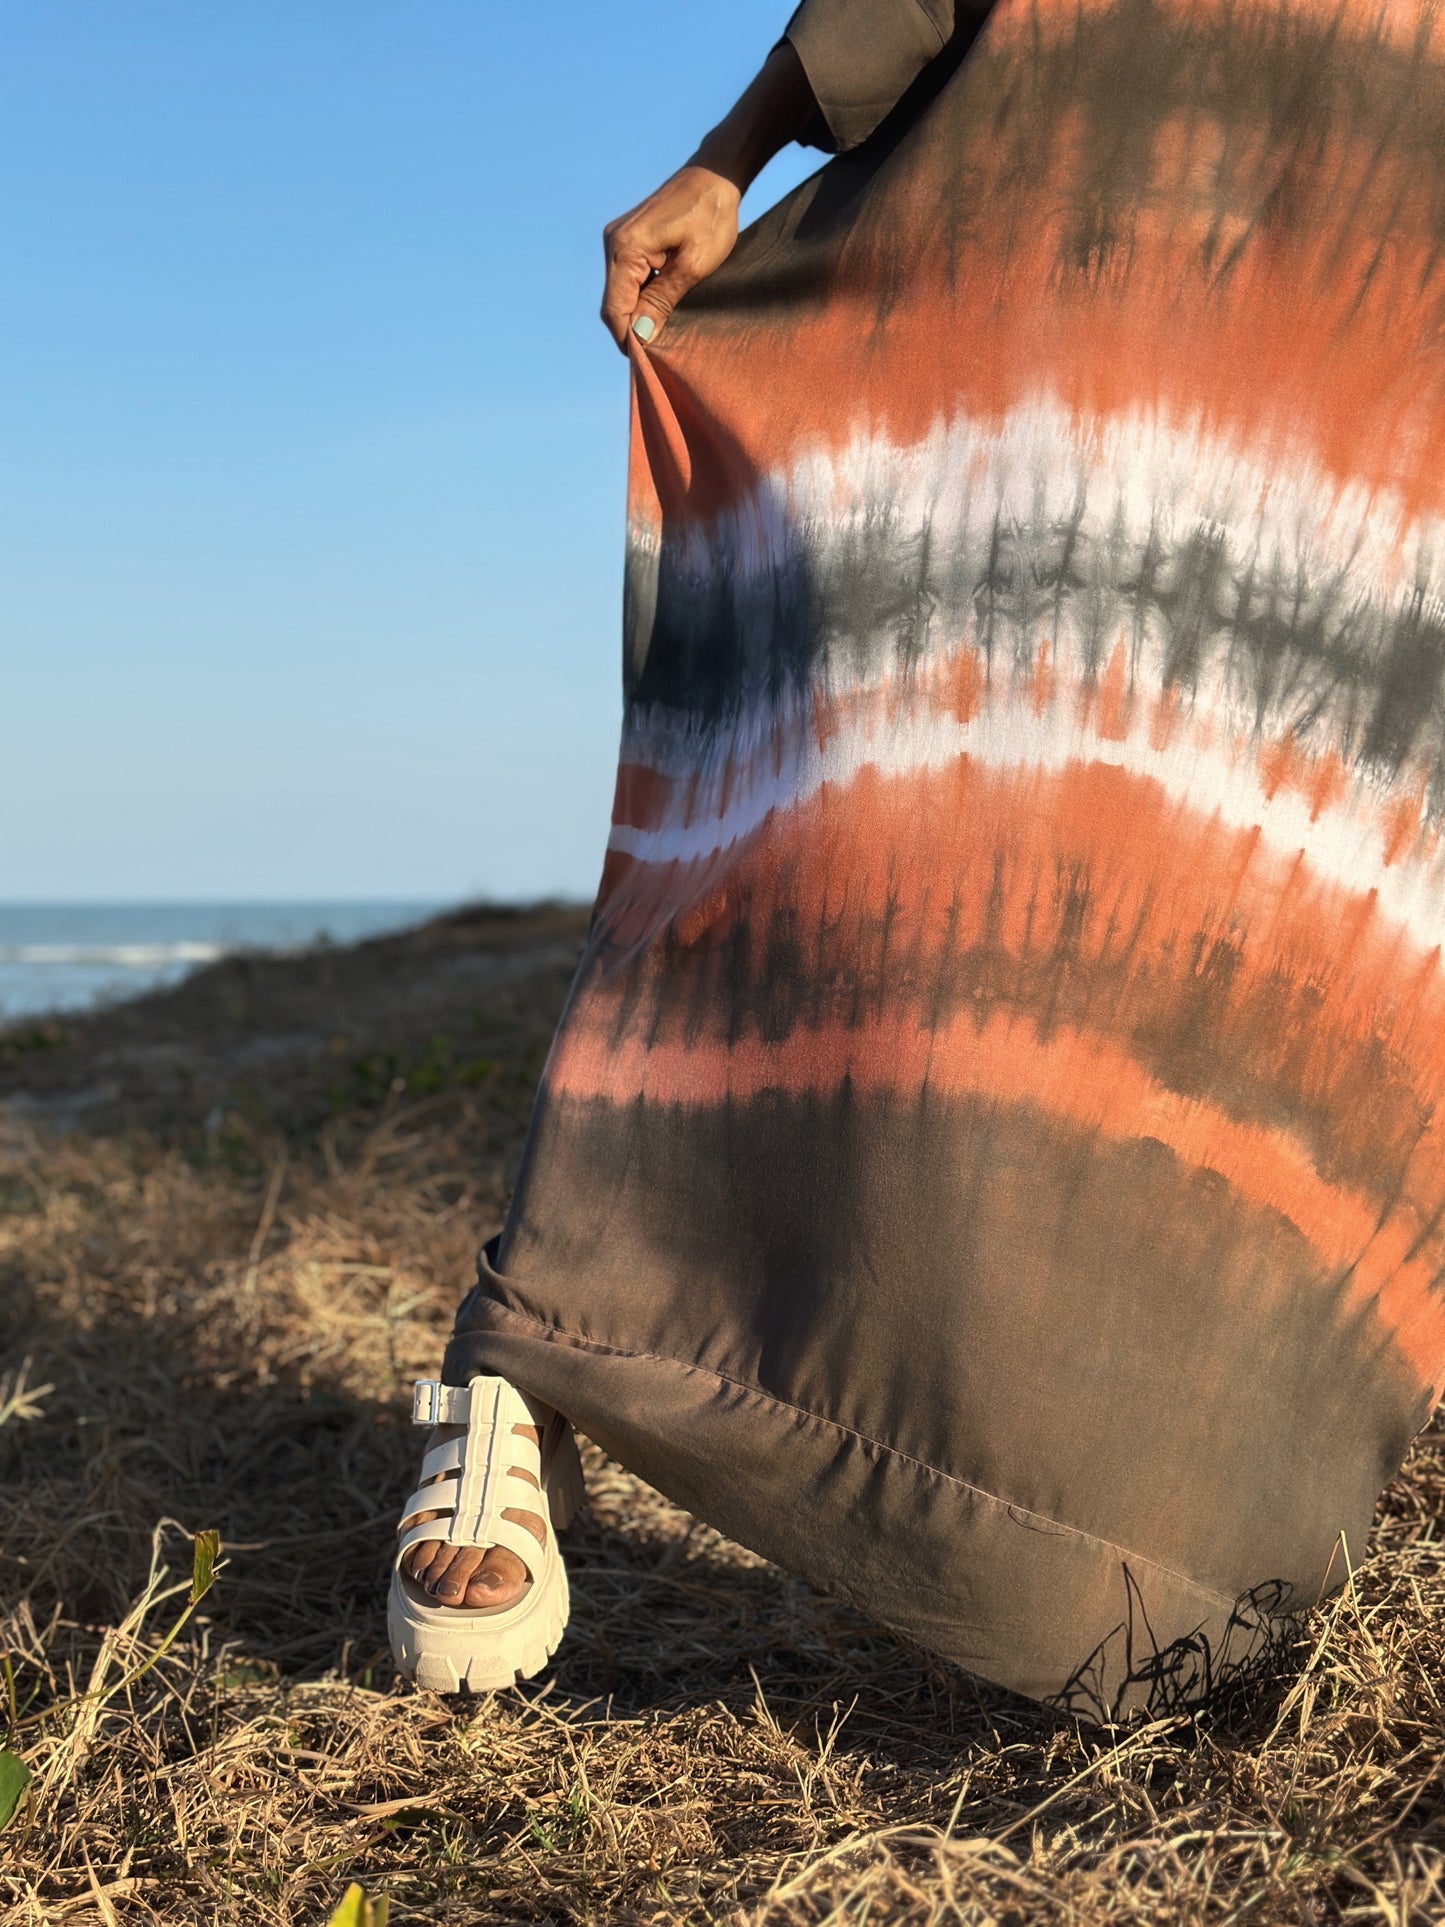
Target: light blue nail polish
(644, 327)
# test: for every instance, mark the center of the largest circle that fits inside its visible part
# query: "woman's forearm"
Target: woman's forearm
(771, 111)
(686, 230)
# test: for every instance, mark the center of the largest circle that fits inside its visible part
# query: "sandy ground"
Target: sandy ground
(234, 1221)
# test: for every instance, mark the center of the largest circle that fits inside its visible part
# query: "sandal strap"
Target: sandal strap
(433, 1403)
(439, 1495)
(514, 1537)
(439, 1498)
(517, 1539)
(479, 1474)
(489, 1426)
(432, 1529)
(439, 1460)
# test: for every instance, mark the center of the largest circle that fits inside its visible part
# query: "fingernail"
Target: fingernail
(644, 327)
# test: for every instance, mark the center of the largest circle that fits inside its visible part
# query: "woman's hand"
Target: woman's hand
(665, 246)
(680, 234)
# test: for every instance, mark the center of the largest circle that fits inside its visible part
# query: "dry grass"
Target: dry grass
(227, 1280)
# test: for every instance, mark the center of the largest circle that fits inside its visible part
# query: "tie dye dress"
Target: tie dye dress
(989, 1160)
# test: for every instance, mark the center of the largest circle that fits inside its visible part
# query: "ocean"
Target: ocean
(68, 956)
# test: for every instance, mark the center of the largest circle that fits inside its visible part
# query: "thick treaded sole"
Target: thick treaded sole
(446, 1649)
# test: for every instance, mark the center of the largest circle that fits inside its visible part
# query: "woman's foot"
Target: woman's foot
(472, 1575)
(486, 1542)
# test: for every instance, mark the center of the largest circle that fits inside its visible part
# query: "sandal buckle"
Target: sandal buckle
(433, 1403)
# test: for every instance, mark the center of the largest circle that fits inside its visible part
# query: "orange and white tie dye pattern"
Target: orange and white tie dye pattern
(991, 1149)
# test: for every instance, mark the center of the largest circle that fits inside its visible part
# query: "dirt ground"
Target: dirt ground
(234, 1221)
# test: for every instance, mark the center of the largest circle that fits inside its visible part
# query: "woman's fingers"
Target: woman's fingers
(630, 264)
(665, 246)
(659, 297)
(661, 294)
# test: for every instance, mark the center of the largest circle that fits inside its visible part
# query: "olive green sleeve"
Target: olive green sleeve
(860, 57)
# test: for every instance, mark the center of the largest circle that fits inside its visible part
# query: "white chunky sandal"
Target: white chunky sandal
(446, 1648)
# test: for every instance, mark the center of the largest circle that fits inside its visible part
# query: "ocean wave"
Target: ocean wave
(124, 956)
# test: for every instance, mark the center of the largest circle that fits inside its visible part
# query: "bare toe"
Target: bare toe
(449, 1583)
(417, 1560)
(498, 1580)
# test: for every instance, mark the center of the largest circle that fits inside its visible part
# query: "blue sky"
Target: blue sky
(312, 448)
